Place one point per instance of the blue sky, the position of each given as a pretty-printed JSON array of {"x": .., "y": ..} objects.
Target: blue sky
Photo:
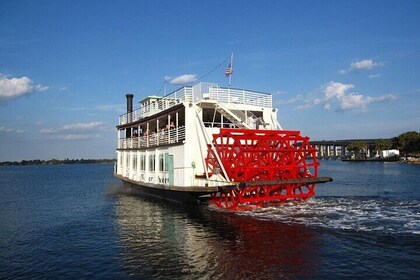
[{"x": 337, "y": 69}]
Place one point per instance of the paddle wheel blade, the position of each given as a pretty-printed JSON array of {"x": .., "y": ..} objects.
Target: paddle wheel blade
[{"x": 269, "y": 167}]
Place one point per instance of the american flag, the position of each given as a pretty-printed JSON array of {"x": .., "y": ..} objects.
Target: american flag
[{"x": 229, "y": 70}]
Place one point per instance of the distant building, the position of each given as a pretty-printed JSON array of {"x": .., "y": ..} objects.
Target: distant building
[{"x": 389, "y": 153}]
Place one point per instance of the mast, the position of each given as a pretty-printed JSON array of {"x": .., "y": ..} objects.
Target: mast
[{"x": 231, "y": 67}]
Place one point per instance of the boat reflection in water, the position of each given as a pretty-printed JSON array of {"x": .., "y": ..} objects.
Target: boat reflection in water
[{"x": 165, "y": 240}]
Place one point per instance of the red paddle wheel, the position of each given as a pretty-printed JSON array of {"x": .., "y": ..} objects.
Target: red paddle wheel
[{"x": 268, "y": 167}]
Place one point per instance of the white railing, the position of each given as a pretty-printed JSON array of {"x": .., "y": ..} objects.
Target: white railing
[
  {"x": 184, "y": 94},
  {"x": 240, "y": 96},
  {"x": 198, "y": 92},
  {"x": 164, "y": 137}
]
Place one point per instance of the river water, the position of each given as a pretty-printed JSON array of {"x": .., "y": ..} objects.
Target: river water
[{"x": 77, "y": 222}]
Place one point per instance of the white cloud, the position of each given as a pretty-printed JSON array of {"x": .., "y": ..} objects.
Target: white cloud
[
  {"x": 383, "y": 98},
  {"x": 340, "y": 97},
  {"x": 69, "y": 137},
  {"x": 361, "y": 65},
  {"x": 11, "y": 88},
  {"x": 183, "y": 79},
  {"x": 292, "y": 100},
  {"x": 48, "y": 130},
  {"x": 234, "y": 42},
  {"x": 327, "y": 106},
  {"x": 338, "y": 90},
  {"x": 8, "y": 130},
  {"x": 350, "y": 100},
  {"x": 309, "y": 103},
  {"x": 374, "y": 76},
  {"x": 119, "y": 108},
  {"x": 355, "y": 101},
  {"x": 5, "y": 129},
  {"x": 77, "y": 131},
  {"x": 83, "y": 126}
]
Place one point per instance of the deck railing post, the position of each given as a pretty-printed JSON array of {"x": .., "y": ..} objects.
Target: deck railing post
[{"x": 147, "y": 135}]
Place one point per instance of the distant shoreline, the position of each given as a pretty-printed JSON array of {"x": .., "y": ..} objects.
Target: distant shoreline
[
  {"x": 55, "y": 162},
  {"x": 407, "y": 159},
  {"x": 372, "y": 160}
]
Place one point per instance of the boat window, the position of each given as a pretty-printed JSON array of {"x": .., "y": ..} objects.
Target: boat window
[
  {"x": 211, "y": 118},
  {"x": 172, "y": 122},
  {"x": 152, "y": 161},
  {"x": 128, "y": 132},
  {"x": 181, "y": 117},
  {"x": 257, "y": 113},
  {"x": 135, "y": 132},
  {"x": 227, "y": 123},
  {"x": 142, "y": 162},
  {"x": 121, "y": 133},
  {"x": 161, "y": 162},
  {"x": 152, "y": 127},
  {"x": 134, "y": 162},
  {"x": 163, "y": 124}
]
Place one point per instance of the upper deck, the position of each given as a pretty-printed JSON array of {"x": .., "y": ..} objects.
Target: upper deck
[{"x": 196, "y": 93}]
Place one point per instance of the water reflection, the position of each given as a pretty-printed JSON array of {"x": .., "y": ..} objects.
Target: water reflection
[{"x": 164, "y": 240}]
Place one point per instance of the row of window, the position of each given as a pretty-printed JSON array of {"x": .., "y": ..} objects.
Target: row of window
[{"x": 134, "y": 160}]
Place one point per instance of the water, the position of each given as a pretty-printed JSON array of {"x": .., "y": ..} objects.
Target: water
[{"x": 76, "y": 222}]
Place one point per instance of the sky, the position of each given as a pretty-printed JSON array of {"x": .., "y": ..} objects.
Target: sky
[{"x": 336, "y": 69}]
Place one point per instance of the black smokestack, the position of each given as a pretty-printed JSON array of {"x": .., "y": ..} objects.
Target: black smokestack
[{"x": 129, "y": 102}]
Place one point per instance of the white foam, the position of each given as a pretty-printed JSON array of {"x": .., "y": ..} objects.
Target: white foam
[{"x": 359, "y": 214}]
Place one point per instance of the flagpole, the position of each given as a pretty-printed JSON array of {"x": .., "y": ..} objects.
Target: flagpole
[{"x": 231, "y": 66}]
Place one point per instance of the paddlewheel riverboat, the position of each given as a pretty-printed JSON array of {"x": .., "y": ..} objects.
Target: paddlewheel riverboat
[{"x": 206, "y": 142}]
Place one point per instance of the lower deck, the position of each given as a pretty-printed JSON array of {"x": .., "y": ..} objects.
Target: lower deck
[
  {"x": 188, "y": 194},
  {"x": 191, "y": 189}
]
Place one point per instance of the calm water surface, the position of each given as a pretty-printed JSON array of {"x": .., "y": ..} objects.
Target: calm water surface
[{"x": 77, "y": 222}]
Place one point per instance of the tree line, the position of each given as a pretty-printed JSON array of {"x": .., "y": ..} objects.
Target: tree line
[
  {"x": 56, "y": 161},
  {"x": 406, "y": 143}
]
